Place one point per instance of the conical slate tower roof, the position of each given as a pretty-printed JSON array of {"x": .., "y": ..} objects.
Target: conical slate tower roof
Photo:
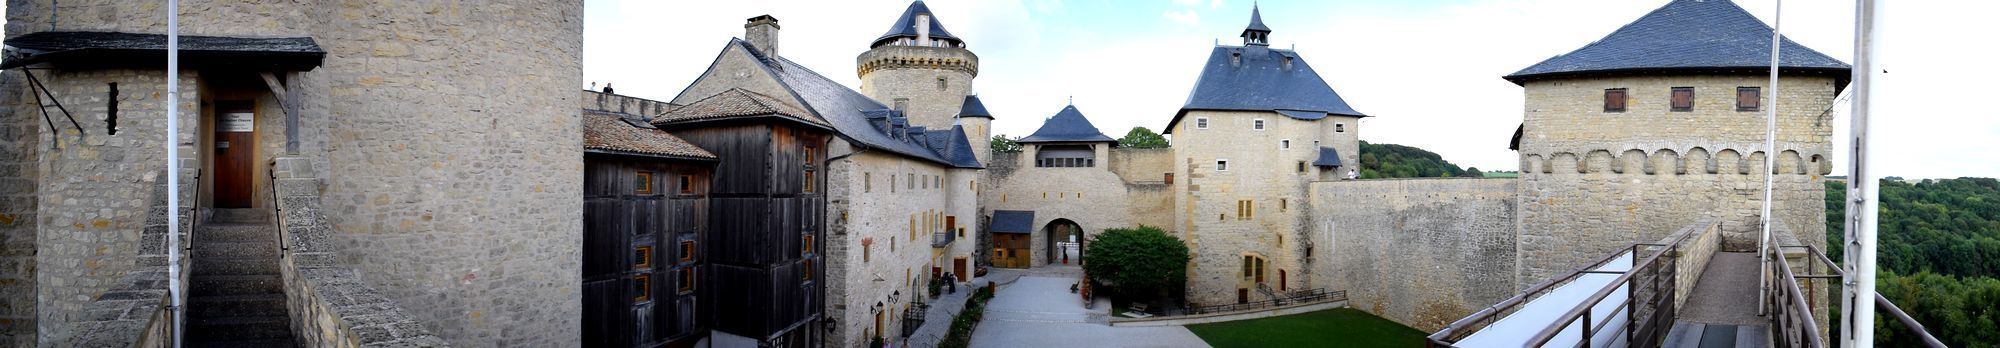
[
  {"x": 906, "y": 26},
  {"x": 973, "y": 108},
  {"x": 1256, "y": 21},
  {"x": 1687, "y": 36},
  {"x": 1067, "y": 125}
]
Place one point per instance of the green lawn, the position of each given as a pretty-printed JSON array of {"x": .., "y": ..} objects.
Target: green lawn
[{"x": 1343, "y": 327}]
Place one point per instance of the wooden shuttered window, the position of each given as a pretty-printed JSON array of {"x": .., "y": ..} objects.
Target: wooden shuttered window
[
  {"x": 1614, "y": 100},
  {"x": 1683, "y": 99},
  {"x": 1748, "y": 98}
]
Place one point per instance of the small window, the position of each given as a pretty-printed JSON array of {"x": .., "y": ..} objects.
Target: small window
[
  {"x": 687, "y": 184},
  {"x": 687, "y": 251},
  {"x": 1748, "y": 98},
  {"x": 642, "y": 287},
  {"x": 809, "y": 181},
  {"x": 1683, "y": 99},
  {"x": 865, "y": 248},
  {"x": 1614, "y": 100},
  {"x": 806, "y": 245},
  {"x": 910, "y": 181},
  {"x": 644, "y": 184},
  {"x": 642, "y": 257},
  {"x": 1340, "y": 128},
  {"x": 902, "y": 104},
  {"x": 1257, "y": 124},
  {"x": 867, "y": 182},
  {"x": 1168, "y": 179},
  {"x": 942, "y": 83},
  {"x": 1282, "y": 206},
  {"x": 687, "y": 280},
  {"x": 1302, "y": 166},
  {"x": 961, "y": 232},
  {"x": 1285, "y": 144},
  {"x": 1246, "y": 209},
  {"x": 1201, "y": 123},
  {"x": 806, "y": 273},
  {"x": 1222, "y": 165},
  {"x": 809, "y": 155}
]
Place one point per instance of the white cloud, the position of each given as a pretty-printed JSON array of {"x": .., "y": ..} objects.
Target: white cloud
[{"x": 1185, "y": 17}]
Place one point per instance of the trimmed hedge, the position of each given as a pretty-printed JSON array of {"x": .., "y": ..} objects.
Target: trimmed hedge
[{"x": 960, "y": 335}]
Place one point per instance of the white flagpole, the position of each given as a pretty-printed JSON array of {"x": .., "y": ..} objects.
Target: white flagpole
[
  {"x": 1770, "y": 158},
  {"x": 1857, "y": 307},
  {"x": 173, "y": 171}
]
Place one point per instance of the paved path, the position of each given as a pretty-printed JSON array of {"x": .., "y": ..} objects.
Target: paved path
[
  {"x": 1037, "y": 310},
  {"x": 1726, "y": 292}
]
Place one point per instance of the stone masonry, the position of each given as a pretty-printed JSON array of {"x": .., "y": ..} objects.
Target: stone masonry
[{"x": 1422, "y": 252}]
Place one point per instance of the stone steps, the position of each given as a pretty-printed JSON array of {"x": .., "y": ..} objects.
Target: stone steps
[{"x": 237, "y": 294}]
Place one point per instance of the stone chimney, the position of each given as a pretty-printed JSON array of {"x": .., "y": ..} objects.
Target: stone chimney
[
  {"x": 762, "y": 32},
  {"x": 923, "y": 24}
]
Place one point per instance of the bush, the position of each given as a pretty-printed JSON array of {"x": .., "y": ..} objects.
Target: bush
[
  {"x": 960, "y": 334},
  {"x": 1139, "y": 261}
]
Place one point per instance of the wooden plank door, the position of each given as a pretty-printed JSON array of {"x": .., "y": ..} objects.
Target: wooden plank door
[
  {"x": 235, "y": 153},
  {"x": 958, "y": 268}
]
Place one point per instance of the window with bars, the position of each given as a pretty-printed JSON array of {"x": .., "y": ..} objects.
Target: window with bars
[
  {"x": 1683, "y": 99},
  {"x": 1201, "y": 123}
]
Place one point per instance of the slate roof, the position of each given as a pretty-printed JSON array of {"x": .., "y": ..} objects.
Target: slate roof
[
  {"x": 609, "y": 132},
  {"x": 138, "y": 49},
  {"x": 906, "y": 26},
  {"x": 1328, "y": 157},
  {"x": 1254, "y": 78},
  {"x": 738, "y": 103},
  {"x": 857, "y": 118},
  {"x": 1067, "y": 125},
  {"x": 1686, "y": 35},
  {"x": 1256, "y": 21},
  {"x": 973, "y": 108},
  {"x": 1013, "y": 221}
]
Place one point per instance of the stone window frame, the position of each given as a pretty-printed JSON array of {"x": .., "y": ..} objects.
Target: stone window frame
[
  {"x": 1258, "y": 124},
  {"x": 1201, "y": 123},
  {"x": 1246, "y": 209},
  {"x": 1340, "y": 127},
  {"x": 1222, "y": 164},
  {"x": 1284, "y": 144},
  {"x": 867, "y": 182}
]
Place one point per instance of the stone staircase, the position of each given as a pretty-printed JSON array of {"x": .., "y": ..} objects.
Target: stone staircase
[{"x": 236, "y": 297}]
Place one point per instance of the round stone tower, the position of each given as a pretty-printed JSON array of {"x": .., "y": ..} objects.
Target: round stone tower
[{"x": 919, "y": 68}]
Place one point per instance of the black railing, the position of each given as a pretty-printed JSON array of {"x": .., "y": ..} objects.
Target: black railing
[
  {"x": 1651, "y": 283},
  {"x": 913, "y": 317},
  {"x": 1301, "y": 296},
  {"x": 278, "y": 214}
]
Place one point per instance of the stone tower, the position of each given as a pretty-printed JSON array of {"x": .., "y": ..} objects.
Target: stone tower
[
  {"x": 978, "y": 125},
  {"x": 919, "y": 68},
  {"x": 1650, "y": 128}
]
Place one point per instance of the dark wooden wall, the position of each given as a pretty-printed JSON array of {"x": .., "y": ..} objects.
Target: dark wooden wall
[
  {"x": 618, "y": 220},
  {"x": 761, "y": 212}
]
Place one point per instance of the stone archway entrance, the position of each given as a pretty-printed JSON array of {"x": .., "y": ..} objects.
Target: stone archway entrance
[{"x": 1063, "y": 240}]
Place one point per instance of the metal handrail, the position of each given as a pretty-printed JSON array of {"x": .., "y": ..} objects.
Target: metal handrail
[
  {"x": 278, "y": 213},
  {"x": 1583, "y": 310},
  {"x": 1907, "y": 321},
  {"x": 1465, "y": 326},
  {"x": 1792, "y": 320}
]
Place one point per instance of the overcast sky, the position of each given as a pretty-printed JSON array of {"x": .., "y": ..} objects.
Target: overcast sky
[{"x": 1429, "y": 70}]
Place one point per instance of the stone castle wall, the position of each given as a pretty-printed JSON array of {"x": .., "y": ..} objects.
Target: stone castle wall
[
  {"x": 934, "y": 79},
  {"x": 1422, "y": 252},
  {"x": 1264, "y": 169},
  {"x": 893, "y": 205},
  {"x": 462, "y": 205},
  {"x": 1095, "y": 198},
  {"x": 20, "y": 152},
  {"x": 1594, "y": 180}
]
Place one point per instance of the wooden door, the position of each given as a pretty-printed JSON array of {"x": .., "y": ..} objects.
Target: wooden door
[
  {"x": 878, "y": 324},
  {"x": 958, "y": 268},
  {"x": 235, "y": 153},
  {"x": 1281, "y": 280},
  {"x": 1242, "y": 295}
]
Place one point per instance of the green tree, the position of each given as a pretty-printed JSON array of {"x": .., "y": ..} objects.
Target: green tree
[
  {"x": 1141, "y": 260},
  {"x": 1142, "y": 138},
  {"x": 1003, "y": 144},
  {"x": 1939, "y": 253},
  {"x": 1398, "y": 161}
]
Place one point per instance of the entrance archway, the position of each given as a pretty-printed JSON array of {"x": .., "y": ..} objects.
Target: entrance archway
[{"x": 1063, "y": 241}]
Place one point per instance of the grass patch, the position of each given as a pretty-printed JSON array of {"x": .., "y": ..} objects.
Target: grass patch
[{"x": 1350, "y": 327}]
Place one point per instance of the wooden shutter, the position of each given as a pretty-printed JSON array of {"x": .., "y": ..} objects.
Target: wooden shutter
[
  {"x": 1614, "y": 100},
  {"x": 1747, "y": 98},
  {"x": 1683, "y": 99}
]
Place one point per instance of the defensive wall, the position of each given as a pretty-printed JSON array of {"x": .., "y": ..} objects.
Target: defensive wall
[
  {"x": 1127, "y": 190},
  {"x": 1422, "y": 252}
]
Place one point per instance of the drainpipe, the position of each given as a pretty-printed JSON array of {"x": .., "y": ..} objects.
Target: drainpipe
[{"x": 174, "y": 307}]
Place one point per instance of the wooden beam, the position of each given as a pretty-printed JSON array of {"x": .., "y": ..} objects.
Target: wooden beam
[{"x": 289, "y": 101}]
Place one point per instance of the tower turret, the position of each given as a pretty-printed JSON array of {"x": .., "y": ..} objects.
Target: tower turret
[
  {"x": 1256, "y": 34},
  {"x": 920, "y": 68}
]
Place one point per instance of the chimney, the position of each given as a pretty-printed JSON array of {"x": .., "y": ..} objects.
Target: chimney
[
  {"x": 762, "y": 31},
  {"x": 923, "y": 24}
]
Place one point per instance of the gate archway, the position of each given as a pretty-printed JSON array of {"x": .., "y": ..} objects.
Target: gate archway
[{"x": 1063, "y": 241}]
